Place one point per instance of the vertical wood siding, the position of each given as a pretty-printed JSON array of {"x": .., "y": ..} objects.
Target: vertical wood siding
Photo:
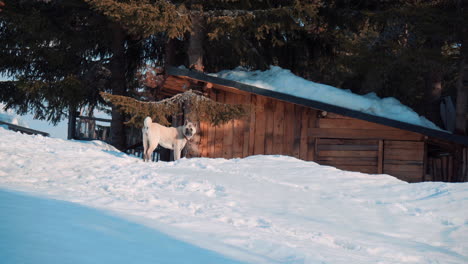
[{"x": 277, "y": 127}]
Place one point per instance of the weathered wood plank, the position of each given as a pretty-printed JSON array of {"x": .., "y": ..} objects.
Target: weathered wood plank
[
  {"x": 403, "y": 162},
  {"x": 312, "y": 120},
  {"x": 211, "y": 133},
  {"x": 364, "y": 134},
  {"x": 351, "y": 123},
  {"x": 229, "y": 89},
  {"x": 204, "y": 128},
  {"x": 288, "y": 129},
  {"x": 341, "y": 153},
  {"x": 278, "y": 130},
  {"x": 219, "y": 131},
  {"x": 333, "y": 115},
  {"x": 238, "y": 136},
  {"x": 404, "y": 144},
  {"x": 380, "y": 157},
  {"x": 407, "y": 154},
  {"x": 297, "y": 130},
  {"x": 347, "y": 161},
  {"x": 327, "y": 141},
  {"x": 269, "y": 125},
  {"x": 253, "y": 105},
  {"x": 347, "y": 147},
  {"x": 303, "y": 148},
  {"x": 408, "y": 168},
  {"x": 246, "y": 121},
  {"x": 228, "y": 130},
  {"x": 259, "y": 145}
]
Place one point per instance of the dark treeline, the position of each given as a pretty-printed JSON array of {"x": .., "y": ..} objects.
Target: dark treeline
[{"x": 61, "y": 54}]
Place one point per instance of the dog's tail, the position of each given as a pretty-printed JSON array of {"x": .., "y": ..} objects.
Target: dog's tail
[{"x": 147, "y": 123}]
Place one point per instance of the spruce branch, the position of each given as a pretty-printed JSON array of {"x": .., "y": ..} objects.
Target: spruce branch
[{"x": 201, "y": 108}]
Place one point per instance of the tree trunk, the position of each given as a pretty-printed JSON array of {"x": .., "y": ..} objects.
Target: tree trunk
[
  {"x": 432, "y": 94},
  {"x": 462, "y": 98},
  {"x": 197, "y": 36},
  {"x": 462, "y": 83},
  {"x": 169, "y": 53},
  {"x": 71, "y": 122},
  {"x": 195, "y": 55},
  {"x": 118, "y": 84}
]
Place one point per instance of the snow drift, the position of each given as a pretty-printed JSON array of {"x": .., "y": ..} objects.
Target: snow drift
[{"x": 261, "y": 209}]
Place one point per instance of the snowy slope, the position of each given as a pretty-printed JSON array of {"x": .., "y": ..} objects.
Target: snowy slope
[
  {"x": 261, "y": 209},
  {"x": 284, "y": 81},
  {"x": 36, "y": 230}
]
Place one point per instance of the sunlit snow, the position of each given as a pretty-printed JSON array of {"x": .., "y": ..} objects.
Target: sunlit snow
[
  {"x": 260, "y": 209},
  {"x": 284, "y": 81}
]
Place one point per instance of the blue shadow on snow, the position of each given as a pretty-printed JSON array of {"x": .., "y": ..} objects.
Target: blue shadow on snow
[{"x": 38, "y": 230}]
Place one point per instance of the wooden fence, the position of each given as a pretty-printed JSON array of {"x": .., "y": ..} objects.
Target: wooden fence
[
  {"x": 449, "y": 164},
  {"x": 85, "y": 128},
  {"x": 137, "y": 150}
]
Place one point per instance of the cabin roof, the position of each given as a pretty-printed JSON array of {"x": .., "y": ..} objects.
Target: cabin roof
[
  {"x": 317, "y": 105},
  {"x": 23, "y": 129}
]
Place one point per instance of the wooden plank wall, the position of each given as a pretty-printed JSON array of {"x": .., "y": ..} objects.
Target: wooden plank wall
[
  {"x": 277, "y": 127},
  {"x": 349, "y": 154},
  {"x": 446, "y": 161},
  {"x": 404, "y": 160},
  {"x": 271, "y": 127},
  {"x": 441, "y": 169}
]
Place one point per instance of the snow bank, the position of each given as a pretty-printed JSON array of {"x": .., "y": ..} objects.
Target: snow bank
[
  {"x": 284, "y": 81},
  {"x": 261, "y": 209},
  {"x": 37, "y": 230},
  {"x": 9, "y": 116}
]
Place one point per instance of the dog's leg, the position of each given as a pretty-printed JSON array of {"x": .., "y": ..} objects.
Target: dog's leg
[
  {"x": 146, "y": 138},
  {"x": 177, "y": 151},
  {"x": 145, "y": 143},
  {"x": 152, "y": 145},
  {"x": 178, "y": 147}
]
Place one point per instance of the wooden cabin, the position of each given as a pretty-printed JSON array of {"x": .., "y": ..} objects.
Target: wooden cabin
[{"x": 314, "y": 131}]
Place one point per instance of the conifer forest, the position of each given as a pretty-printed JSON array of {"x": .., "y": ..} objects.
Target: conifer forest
[{"x": 57, "y": 56}]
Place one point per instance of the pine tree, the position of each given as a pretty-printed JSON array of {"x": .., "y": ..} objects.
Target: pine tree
[
  {"x": 59, "y": 50},
  {"x": 201, "y": 109},
  {"x": 55, "y": 58},
  {"x": 404, "y": 49}
]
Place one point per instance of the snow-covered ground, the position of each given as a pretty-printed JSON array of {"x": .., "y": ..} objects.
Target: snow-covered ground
[
  {"x": 284, "y": 81},
  {"x": 261, "y": 209},
  {"x": 37, "y": 230}
]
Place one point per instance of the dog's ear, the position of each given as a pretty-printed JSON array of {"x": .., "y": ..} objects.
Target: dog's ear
[{"x": 186, "y": 122}]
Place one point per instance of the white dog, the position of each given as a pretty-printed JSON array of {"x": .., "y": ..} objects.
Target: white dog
[{"x": 173, "y": 138}]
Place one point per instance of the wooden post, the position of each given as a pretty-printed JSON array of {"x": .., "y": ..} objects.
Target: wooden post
[
  {"x": 71, "y": 123},
  {"x": 380, "y": 162},
  {"x": 253, "y": 104},
  {"x": 425, "y": 161}
]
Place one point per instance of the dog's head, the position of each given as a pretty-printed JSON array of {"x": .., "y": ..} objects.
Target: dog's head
[{"x": 189, "y": 129}]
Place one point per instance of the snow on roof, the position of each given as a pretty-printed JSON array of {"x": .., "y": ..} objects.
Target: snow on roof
[{"x": 284, "y": 81}]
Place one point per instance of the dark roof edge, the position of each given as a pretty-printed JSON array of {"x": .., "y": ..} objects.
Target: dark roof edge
[
  {"x": 24, "y": 129},
  {"x": 319, "y": 105}
]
